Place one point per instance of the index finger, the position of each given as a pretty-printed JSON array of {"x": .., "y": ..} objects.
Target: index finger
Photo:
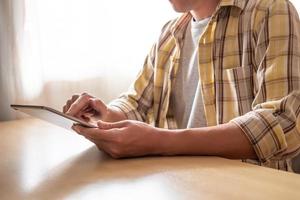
[{"x": 81, "y": 103}]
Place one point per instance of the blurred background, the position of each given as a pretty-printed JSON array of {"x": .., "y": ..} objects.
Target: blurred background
[{"x": 50, "y": 50}]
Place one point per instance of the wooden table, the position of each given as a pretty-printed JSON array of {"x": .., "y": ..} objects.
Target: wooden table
[{"x": 42, "y": 161}]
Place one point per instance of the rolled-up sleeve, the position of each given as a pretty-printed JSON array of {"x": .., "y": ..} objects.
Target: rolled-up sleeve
[{"x": 273, "y": 125}]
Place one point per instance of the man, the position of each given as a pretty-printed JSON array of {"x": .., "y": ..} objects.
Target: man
[{"x": 222, "y": 80}]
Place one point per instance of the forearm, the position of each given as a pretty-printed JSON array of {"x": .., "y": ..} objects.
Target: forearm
[{"x": 226, "y": 140}]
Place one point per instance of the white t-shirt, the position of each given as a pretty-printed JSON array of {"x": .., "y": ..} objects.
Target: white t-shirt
[{"x": 187, "y": 97}]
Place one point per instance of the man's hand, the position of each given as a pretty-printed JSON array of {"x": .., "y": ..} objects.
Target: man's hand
[
  {"x": 124, "y": 139},
  {"x": 91, "y": 109},
  {"x": 133, "y": 138}
]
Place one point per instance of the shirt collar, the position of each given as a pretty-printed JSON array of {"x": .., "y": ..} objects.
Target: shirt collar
[{"x": 179, "y": 27}]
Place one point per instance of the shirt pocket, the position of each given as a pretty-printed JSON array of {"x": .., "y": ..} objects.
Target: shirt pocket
[{"x": 237, "y": 90}]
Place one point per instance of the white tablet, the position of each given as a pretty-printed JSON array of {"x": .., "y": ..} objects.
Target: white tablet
[{"x": 51, "y": 115}]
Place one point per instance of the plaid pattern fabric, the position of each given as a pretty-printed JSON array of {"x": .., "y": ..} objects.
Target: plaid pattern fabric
[{"x": 249, "y": 68}]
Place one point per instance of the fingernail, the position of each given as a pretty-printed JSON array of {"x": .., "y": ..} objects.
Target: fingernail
[{"x": 99, "y": 123}]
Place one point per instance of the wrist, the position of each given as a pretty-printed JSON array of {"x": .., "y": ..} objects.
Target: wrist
[
  {"x": 114, "y": 114},
  {"x": 169, "y": 142}
]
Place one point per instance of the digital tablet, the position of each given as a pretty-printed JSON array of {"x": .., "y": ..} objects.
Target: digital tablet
[{"x": 51, "y": 115}]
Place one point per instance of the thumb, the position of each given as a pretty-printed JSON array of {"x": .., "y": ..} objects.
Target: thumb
[
  {"x": 110, "y": 125},
  {"x": 98, "y": 105}
]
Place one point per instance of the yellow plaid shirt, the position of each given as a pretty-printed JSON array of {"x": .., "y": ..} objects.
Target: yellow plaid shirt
[{"x": 249, "y": 69}]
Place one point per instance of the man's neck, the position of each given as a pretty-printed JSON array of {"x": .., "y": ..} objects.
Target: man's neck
[{"x": 205, "y": 9}]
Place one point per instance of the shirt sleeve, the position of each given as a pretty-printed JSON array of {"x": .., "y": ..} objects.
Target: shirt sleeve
[{"x": 273, "y": 125}]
